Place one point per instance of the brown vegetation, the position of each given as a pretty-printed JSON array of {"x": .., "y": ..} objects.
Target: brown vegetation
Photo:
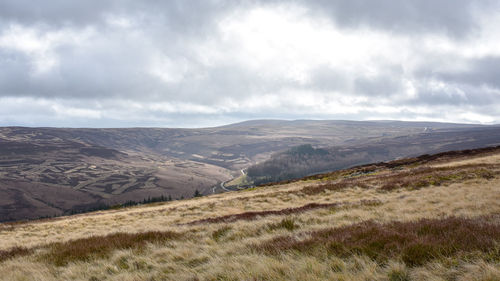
[
  {"x": 415, "y": 242},
  {"x": 423, "y": 177},
  {"x": 288, "y": 211},
  {"x": 96, "y": 247},
  {"x": 413, "y": 178},
  {"x": 14, "y": 252}
]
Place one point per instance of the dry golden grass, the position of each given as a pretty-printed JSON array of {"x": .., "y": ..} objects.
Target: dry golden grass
[
  {"x": 489, "y": 159},
  {"x": 217, "y": 237}
]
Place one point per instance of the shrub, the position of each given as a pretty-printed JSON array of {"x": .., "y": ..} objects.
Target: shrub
[
  {"x": 419, "y": 253},
  {"x": 85, "y": 249},
  {"x": 415, "y": 243}
]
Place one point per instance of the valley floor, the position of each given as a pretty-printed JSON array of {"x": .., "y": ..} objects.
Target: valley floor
[{"x": 420, "y": 219}]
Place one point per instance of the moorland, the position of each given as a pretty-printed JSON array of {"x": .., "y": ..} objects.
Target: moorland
[
  {"x": 46, "y": 172},
  {"x": 431, "y": 217}
]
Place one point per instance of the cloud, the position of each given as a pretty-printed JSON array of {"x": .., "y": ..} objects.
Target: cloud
[
  {"x": 188, "y": 63},
  {"x": 450, "y": 17},
  {"x": 483, "y": 71}
]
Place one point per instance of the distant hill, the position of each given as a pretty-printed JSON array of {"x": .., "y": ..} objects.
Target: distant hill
[
  {"x": 56, "y": 171},
  {"x": 305, "y": 160}
]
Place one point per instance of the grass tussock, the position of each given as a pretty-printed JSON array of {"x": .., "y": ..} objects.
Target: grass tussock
[
  {"x": 286, "y": 223},
  {"x": 87, "y": 249},
  {"x": 415, "y": 243},
  {"x": 14, "y": 252},
  {"x": 220, "y": 233}
]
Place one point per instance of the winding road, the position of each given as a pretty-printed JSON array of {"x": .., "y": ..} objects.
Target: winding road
[{"x": 222, "y": 184}]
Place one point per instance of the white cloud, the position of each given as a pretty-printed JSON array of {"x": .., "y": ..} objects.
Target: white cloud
[
  {"x": 70, "y": 112},
  {"x": 40, "y": 46},
  {"x": 283, "y": 41},
  {"x": 163, "y": 64}
]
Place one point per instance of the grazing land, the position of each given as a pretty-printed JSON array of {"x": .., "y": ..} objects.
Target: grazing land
[{"x": 432, "y": 217}]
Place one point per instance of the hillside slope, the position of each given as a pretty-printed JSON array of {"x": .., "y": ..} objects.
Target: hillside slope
[
  {"x": 425, "y": 218},
  {"x": 56, "y": 171},
  {"x": 293, "y": 164}
]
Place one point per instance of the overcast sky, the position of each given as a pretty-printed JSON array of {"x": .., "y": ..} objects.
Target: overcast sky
[{"x": 185, "y": 63}]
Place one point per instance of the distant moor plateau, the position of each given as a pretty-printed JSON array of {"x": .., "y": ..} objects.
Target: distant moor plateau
[{"x": 48, "y": 172}]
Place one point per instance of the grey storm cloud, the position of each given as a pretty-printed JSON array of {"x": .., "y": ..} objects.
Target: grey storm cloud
[
  {"x": 474, "y": 83},
  {"x": 163, "y": 62},
  {"x": 483, "y": 71},
  {"x": 453, "y": 17},
  {"x": 175, "y": 13}
]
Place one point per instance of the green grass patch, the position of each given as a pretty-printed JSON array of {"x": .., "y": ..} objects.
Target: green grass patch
[{"x": 240, "y": 182}]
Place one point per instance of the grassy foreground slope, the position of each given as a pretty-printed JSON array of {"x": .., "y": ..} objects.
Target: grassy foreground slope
[{"x": 426, "y": 218}]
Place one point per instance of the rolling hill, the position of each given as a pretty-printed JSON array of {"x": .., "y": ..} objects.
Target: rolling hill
[
  {"x": 48, "y": 172},
  {"x": 305, "y": 160},
  {"x": 432, "y": 217}
]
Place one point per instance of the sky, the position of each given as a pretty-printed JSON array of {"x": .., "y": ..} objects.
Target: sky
[{"x": 187, "y": 63}]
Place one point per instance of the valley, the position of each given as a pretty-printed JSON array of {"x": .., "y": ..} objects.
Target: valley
[{"x": 47, "y": 172}]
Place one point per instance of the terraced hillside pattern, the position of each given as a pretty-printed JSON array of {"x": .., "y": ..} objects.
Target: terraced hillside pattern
[
  {"x": 47, "y": 172},
  {"x": 433, "y": 217}
]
